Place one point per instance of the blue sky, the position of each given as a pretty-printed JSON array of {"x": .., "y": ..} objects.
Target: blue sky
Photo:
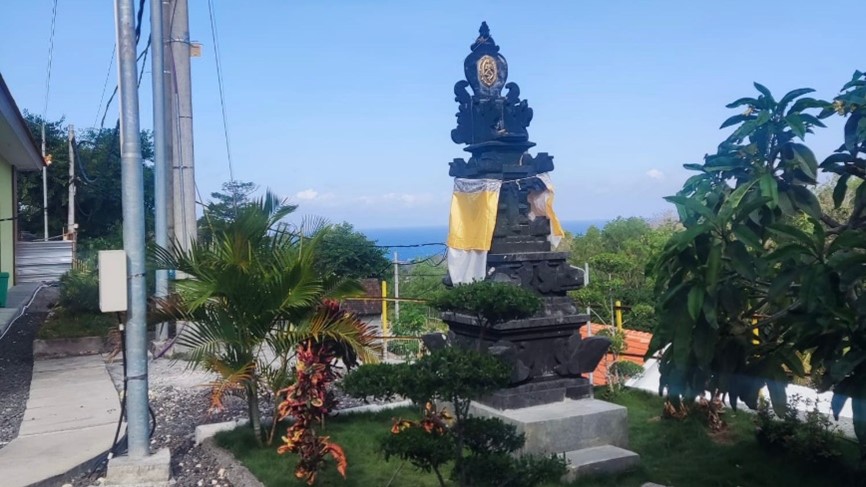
[{"x": 347, "y": 107}]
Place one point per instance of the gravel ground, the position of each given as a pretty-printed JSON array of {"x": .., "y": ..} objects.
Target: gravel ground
[
  {"x": 180, "y": 399},
  {"x": 16, "y": 364}
]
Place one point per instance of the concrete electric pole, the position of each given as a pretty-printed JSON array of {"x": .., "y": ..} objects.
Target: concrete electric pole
[
  {"x": 183, "y": 162},
  {"x": 70, "y": 215}
]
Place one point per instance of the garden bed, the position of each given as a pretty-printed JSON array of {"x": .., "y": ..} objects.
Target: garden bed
[{"x": 680, "y": 453}]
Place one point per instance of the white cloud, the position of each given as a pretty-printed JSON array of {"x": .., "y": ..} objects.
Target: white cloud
[
  {"x": 407, "y": 199},
  {"x": 655, "y": 174},
  {"x": 307, "y": 194}
]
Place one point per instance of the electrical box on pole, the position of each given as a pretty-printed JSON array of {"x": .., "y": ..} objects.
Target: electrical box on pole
[{"x": 112, "y": 281}]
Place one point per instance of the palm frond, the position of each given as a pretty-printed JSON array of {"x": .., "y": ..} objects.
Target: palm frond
[{"x": 231, "y": 380}]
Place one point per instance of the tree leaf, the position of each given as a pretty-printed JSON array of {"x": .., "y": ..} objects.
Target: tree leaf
[
  {"x": 735, "y": 120},
  {"x": 764, "y": 91},
  {"x": 845, "y": 365},
  {"x": 805, "y": 159},
  {"x": 804, "y": 103},
  {"x": 694, "y": 167},
  {"x": 769, "y": 188},
  {"x": 840, "y": 190},
  {"x": 704, "y": 343},
  {"x": 851, "y": 132},
  {"x": 741, "y": 102},
  {"x": 682, "y": 343},
  {"x": 747, "y": 236},
  {"x": 741, "y": 261},
  {"x": 690, "y": 203},
  {"x": 777, "y": 396},
  {"x": 696, "y": 301},
  {"x": 791, "y": 95},
  {"x": 782, "y": 283},
  {"x": 795, "y": 122},
  {"x": 714, "y": 263},
  {"x": 806, "y": 201},
  {"x": 790, "y": 231}
]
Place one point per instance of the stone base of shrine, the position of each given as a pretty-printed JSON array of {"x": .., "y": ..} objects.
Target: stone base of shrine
[
  {"x": 538, "y": 393},
  {"x": 564, "y": 426}
]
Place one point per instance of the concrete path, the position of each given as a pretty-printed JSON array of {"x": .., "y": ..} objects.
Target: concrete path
[
  {"x": 16, "y": 298},
  {"x": 70, "y": 419}
]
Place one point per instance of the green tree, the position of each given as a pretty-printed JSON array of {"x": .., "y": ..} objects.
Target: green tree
[
  {"x": 719, "y": 279},
  {"x": 99, "y": 211},
  {"x": 618, "y": 256},
  {"x": 347, "y": 253},
  {"x": 250, "y": 287},
  {"x": 223, "y": 206}
]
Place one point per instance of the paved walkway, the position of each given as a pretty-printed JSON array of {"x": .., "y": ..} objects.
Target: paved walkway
[
  {"x": 70, "y": 419},
  {"x": 16, "y": 298}
]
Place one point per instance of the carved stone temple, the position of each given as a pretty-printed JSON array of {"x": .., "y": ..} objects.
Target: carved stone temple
[
  {"x": 548, "y": 397},
  {"x": 547, "y": 354}
]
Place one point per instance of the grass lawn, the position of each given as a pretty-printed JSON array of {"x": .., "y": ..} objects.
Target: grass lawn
[
  {"x": 64, "y": 324},
  {"x": 677, "y": 453}
]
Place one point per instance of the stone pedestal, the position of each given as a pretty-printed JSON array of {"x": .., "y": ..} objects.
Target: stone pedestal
[
  {"x": 564, "y": 426},
  {"x": 151, "y": 471}
]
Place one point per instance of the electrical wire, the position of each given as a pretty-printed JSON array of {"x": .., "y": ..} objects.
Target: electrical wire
[
  {"x": 23, "y": 310},
  {"x": 217, "y": 59},
  {"x": 50, "y": 60},
  {"x": 105, "y": 85},
  {"x": 410, "y": 246}
]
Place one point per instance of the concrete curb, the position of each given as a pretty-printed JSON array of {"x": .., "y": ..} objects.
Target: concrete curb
[
  {"x": 235, "y": 471},
  {"x": 374, "y": 408},
  {"x": 69, "y": 347}
]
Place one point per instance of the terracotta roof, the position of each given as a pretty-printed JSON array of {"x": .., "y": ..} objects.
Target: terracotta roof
[
  {"x": 637, "y": 344},
  {"x": 372, "y": 289}
]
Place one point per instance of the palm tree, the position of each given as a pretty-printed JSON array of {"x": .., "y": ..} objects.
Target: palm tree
[{"x": 249, "y": 289}]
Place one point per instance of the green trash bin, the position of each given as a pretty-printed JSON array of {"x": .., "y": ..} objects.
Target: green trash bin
[{"x": 4, "y": 286}]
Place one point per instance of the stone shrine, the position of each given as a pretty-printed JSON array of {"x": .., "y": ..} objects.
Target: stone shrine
[
  {"x": 546, "y": 351},
  {"x": 548, "y": 397}
]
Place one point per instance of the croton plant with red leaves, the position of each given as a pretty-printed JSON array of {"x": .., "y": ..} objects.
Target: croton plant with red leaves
[{"x": 339, "y": 336}]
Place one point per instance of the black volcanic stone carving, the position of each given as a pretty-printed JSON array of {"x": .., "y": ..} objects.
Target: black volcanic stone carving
[{"x": 546, "y": 353}]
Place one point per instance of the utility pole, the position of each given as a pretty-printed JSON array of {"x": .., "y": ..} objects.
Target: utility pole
[
  {"x": 70, "y": 216},
  {"x": 168, "y": 114},
  {"x": 132, "y": 182},
  {"x": 44, "y": 187},
  {"x": 157, "y": 44},
  {"x": 184, "y": 165},
  {"x": 396, "y": 290}
]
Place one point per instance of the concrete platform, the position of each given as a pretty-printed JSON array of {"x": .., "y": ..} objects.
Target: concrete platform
[
  {"x": 599, "y": 460},
  {"x": 564, "y": 426},
  {"x": 70, "y": 419}
]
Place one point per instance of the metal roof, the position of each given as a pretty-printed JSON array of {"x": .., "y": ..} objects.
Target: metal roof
[{"x": 17, "y": 146}]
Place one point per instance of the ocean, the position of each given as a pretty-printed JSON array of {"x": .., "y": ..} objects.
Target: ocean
[{"x": 398, "y": 239}]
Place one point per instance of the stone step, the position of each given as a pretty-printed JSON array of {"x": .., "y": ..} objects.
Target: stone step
[
  {"x": 564, "y": 426},
  {"x": 599, "y": 460}
]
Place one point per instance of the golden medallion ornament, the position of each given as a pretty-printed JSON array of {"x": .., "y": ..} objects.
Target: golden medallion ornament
[{"x": 487, "y": 71}]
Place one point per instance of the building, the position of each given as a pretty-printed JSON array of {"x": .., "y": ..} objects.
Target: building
[
  {"x": 18, "y": 152},
  {"x": 369, "y": 310}
]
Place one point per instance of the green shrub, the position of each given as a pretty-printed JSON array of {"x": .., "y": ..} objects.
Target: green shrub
[
  {"x": 489, "y": 302},
  {"x": 79, "y": 290},
  {"x": 811, "y": 438},
  {"x": 480, "y": 449}
]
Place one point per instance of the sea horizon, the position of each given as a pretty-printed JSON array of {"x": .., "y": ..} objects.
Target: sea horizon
[{"x": 430, "y": 240}]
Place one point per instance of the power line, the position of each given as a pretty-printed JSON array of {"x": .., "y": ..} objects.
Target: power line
[
  {"x": 50, "y": 59},
  {"x": 105, "y": 85},
  {"x": 216, "y": 47},
  {"x": 410, "y": 246}
]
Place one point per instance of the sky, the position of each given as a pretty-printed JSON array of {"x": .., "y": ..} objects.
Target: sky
[{"x": 346, "y": 107}]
